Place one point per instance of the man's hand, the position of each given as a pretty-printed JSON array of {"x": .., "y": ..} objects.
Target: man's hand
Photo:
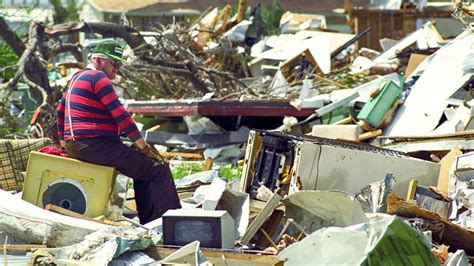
[
  {"x": 140, "y": 144},
  {"x": 150, "y": 151}
]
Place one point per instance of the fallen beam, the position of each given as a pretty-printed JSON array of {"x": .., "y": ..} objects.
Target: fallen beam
[
  {"x": 453, "y": 235},
  {"x": 218, "y": 256}
]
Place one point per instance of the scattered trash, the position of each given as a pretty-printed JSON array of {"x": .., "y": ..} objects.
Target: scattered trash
[{"x": 305, "y": 137}]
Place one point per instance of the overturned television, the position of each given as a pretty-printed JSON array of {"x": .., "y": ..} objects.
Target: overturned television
[{"x": 300, "y": 162}]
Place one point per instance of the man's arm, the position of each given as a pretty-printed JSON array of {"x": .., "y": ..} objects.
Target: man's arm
[{"x": 106, "y": 95}]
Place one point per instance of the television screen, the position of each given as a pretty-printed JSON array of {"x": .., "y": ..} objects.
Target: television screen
[{"x": 187, "y": 231}]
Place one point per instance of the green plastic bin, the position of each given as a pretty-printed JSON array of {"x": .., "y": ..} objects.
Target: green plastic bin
[{"x": 374, "y": 110}]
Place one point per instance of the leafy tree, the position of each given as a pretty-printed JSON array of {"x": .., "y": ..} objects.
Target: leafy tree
[
  {"x": 7, "y": 58},
  {"x": 271, "y": 15},
  {"x": 65, "y": 12}
]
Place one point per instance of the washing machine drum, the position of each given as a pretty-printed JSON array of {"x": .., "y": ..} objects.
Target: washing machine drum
[{"x": 66, "y": 193}]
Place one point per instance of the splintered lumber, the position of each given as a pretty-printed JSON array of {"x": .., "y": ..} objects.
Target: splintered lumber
[
  {"x": 452, "y": 235},
  {"x": 208, "y": 164},
  {"x": 412, "y": 189},
  {"x": 22, "y": 247},
  {"x": 261, "y": 218},
  {"x": 344, "y": 121},
  {"x": 181, "y": 154},
  {"x": 269, "y": 228},
  {"x": 370, "y": 134},
  {"x": 218, "y": 256},
  {"x": 57, "y": 209},
  {"x": 241, "y": 10}
]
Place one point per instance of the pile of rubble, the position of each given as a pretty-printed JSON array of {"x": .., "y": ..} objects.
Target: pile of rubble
[{"x": 372, "y": 155}]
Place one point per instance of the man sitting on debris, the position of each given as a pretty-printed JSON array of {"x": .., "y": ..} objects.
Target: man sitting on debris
[{"x": 89, "y": 119}]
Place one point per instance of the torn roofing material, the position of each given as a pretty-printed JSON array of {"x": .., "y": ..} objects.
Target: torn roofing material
[{"x": 443, "y": 76}]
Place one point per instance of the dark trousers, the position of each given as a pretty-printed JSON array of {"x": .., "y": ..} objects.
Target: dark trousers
[{"x": 155, "y": 191}]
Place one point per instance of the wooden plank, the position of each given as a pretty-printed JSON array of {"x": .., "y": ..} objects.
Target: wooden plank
[
  {"x": 187, "y": 155},
  {"x": 183, "y": 195},
  {"x": 22, "y": 247},
  {"x": 344, "y": 121},
  {"x": 412, "y": 189},
  {"x": 370, "y": 134},
  {"x": 451, "y": 234},
  {"x": 57, "y": 209},
  {"x": 241, "y": 10},
  {"x": 254, "y": 145},
  {"x": 261, "y": 218},
  {"x": 225, "y": 19},
  {"x": 218, "y": 256},
  {"x": 269, "y": 229},
  {"x": 413, "y": 62},
  {"x": 208, "y": 164},
  {"x": 446, "y": 163}
]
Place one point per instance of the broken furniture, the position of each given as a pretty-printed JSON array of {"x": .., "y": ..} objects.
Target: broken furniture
[
  {"x": 14, "y": 158},
  {"x": 71, "y": 184}
]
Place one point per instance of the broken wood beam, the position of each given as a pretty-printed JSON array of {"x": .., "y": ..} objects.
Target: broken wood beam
[
  {"x": 344, "y": 121},
  {"x": 208, "y": 164},
  {"x": 241, "y": 10},
  {"x": 370, "y": 134},
  {"x": 186, "y": 155},
  {"x": 269, "y": 228},
  {"x": 219, "y": 256},
  {"x": 19, "y": 247},
  {"x": 57, "y": 209},
  {"x": 261, "y": 218},
  {"x": 452, "y": 234},
  {"x": 412, "y": 189}
]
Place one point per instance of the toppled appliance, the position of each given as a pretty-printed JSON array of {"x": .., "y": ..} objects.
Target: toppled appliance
[{"x": 299, "y": 162}]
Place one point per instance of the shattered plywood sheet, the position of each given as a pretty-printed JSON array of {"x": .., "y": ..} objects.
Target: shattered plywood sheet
[{"x": 451, "y": 234}]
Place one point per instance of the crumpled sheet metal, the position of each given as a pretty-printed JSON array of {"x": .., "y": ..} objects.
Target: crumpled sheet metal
[{"x": 317, "y": 209}]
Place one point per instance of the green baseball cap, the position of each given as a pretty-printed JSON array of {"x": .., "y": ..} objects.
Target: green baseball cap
[{"x": 110, "y": 48}]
